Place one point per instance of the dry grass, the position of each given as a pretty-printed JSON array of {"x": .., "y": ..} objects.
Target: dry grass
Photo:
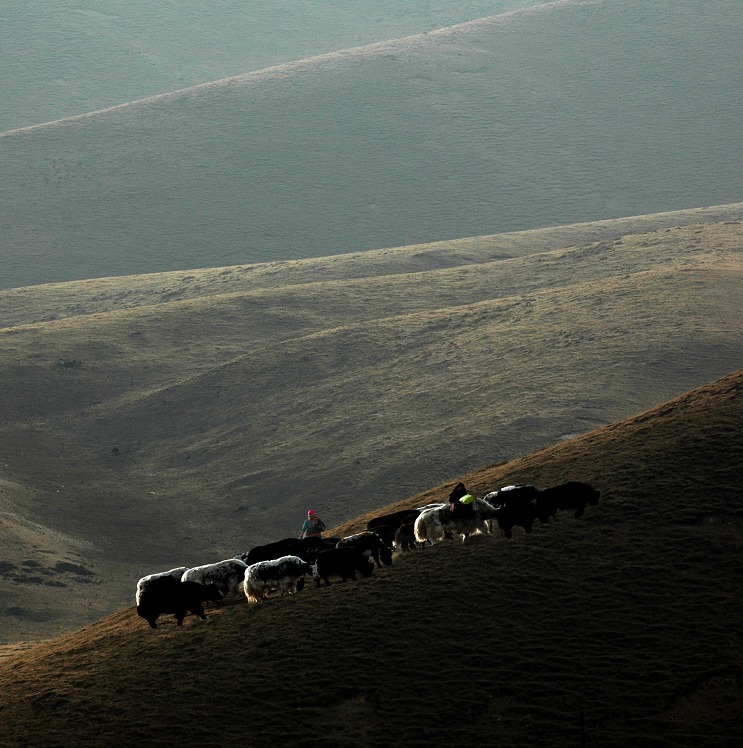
[
  {"x": 201, "y": 423},
  {"x": 630, "y": 615}
]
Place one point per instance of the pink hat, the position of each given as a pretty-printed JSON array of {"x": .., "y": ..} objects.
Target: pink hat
[{"x": 312, "y": 513}]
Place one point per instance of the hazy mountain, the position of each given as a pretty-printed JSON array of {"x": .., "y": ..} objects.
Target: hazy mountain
[
  {"x": 64, "y": 58},
  {"x": 572, "y": 111},
  {"x": 617, "y": 628},
  {"x": 161, "y": 420}
]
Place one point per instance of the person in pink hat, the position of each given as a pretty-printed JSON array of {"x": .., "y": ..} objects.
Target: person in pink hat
[{"x": 313, "y": 526}]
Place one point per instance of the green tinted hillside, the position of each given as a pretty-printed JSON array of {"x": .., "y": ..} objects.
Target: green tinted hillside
[{"x": 575, "y": 111}]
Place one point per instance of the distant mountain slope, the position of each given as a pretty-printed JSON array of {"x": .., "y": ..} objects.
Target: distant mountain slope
[
  {"x": 622, "y": 624},
  {"x": 573, "y": 111},
  {"x": 32, "y": 304},
  {"x": 63, "y": 59},
  {"x": 196, "y": 423}
]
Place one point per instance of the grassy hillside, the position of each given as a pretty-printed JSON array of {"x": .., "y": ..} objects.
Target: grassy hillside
[
  {"x": 573, "y": 111},
  {"x": 629, "y": 615},
  {"x": 157, "y": 421}
]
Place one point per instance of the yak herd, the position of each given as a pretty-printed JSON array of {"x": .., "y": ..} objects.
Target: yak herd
[{"x": 283, "y": 566}]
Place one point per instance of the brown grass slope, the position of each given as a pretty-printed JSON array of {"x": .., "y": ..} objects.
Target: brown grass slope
[
  {"x": 630, "y": 614},
  {"x": 194, "y": 429}
]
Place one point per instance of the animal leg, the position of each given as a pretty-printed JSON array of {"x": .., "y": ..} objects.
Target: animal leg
[{"x": 198, "y": 610}]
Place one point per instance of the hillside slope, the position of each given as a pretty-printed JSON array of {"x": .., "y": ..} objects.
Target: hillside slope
[
  {"x": 129, "y": 49},
  {"x": 154, "y": 435},
  {"x": 532, "y": 119},
  {"x": 54, "y": 301},
  {"x": 629, "y": 615}
]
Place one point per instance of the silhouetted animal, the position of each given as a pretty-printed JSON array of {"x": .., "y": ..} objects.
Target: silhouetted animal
[
  {"x": 308, "y": 548},
  {"x": 268, "y": 552},
  {"x": 405, "y": 537},
  {"x": 176, "y": 574},
  {"x": 393, "y": 520},
  {"x": 522, "y": 515},
  {"x": 521, "y": 504},
  {"x": 342, "y": 562},
  {"x": 514, "y": 506},
  {"x": 169, "y": 595},
  {"x": 512, "y": 495},
  {"x": 570, "y": 496},
  {"x": 386, "y": 533},
  {"x": 370, "y": 544}
]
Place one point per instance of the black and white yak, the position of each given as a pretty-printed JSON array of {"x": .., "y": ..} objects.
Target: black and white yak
[{"x": 285, "y": 574}]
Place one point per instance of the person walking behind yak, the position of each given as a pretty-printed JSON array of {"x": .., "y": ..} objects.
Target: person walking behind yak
[{"x": 313, "y": 526}]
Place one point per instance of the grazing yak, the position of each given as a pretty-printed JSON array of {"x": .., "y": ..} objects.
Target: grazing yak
[
  {"x": 305, "y": 548},
  {"x": 308, "y": 548},
  {"x": 509, "y": 516},
  {"x": 285, "y": 574},
  {"x": 522, "y": 505},
  {"x": 571, "y": 496},
  {"x": 393, "y": 520},
  {"x": 437, "y": 523},
  {"x": 514, "y": 506},
  {"x": 513, "y": 495},
  {"x": 166, "y": 594},
  {"x": 370, "y": 544},
  {"x": 386, "y": 533},
  {"x": 342, "y": 562},
  {"x": 176, "y": 574},
  {"x": 227, "y": 576},
  {"x": 405, "y": 537},
  {"x": 267, "y": 552}
]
